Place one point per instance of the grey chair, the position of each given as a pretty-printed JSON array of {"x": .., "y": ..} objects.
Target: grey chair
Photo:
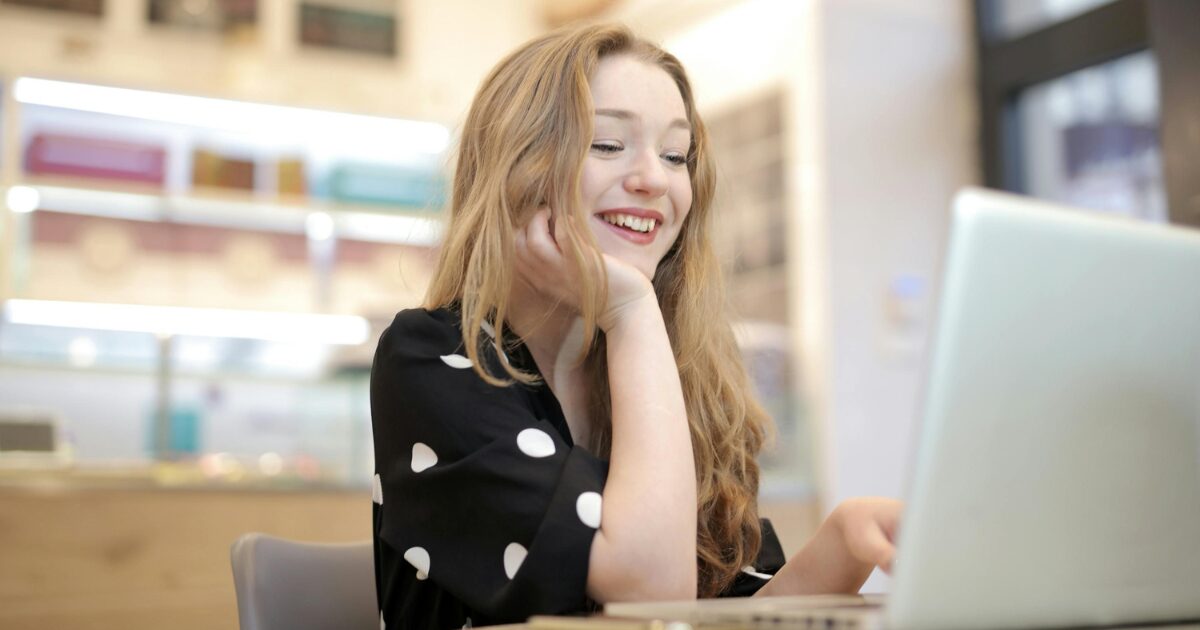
[{"x": 288, "y": 585}]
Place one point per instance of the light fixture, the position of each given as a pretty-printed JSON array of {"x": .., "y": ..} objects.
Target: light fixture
[
  {"x": 319, "y": 226},
  {"x": 23, "y": 199},
  {"x": 395, "y": 134},
  {"x": 82, "y": 352},
  {"x": 305, "y": 328}
]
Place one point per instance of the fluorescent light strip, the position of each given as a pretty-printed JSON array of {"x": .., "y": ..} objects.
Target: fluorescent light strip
[
  {"x": 238, "y": 116},
  {"x": 408, "y": 230},
  {"x": 363, "y": 226},
  {"x": 347, "y": 330}
]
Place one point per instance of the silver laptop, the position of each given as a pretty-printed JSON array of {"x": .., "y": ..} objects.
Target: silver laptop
[{"x": 1057, "y": 477}]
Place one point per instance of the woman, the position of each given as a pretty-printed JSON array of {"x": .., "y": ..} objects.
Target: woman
[{"x": 567, "y": 421}]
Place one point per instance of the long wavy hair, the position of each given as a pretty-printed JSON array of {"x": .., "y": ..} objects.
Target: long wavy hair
[{"x": 523, "y": 146}]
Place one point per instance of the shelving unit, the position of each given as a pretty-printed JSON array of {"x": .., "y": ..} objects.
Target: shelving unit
[
  {"x": 244, "y": 265},
  {"x": 348, "y": 162}
]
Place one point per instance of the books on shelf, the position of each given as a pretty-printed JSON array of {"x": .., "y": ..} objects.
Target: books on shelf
[
  {"x": 221, "y": 171},
  {"x": 96, "y": 158}
]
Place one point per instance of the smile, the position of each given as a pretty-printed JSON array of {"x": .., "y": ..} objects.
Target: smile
[
  {"x": 633, "y": 224},
  {"x": 637, "y": 224}
]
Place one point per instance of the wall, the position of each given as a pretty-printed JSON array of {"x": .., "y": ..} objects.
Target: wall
[{"x": 899, "y": 138}]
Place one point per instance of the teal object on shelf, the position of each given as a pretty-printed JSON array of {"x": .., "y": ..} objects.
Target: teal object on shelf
[
  {"x": 183, "y": 437},
  {"x": 386, "y": 185}
]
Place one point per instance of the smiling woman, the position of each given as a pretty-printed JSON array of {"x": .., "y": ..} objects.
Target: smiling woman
[{"x": 567, "y": 421}]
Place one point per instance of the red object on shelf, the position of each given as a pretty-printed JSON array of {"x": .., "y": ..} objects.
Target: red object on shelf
[{"x": 79, "y": 156}]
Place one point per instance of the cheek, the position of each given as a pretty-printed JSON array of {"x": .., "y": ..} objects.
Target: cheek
[
  {"x": 591, "y": 180},
  {"x": 681, "y": 198}
]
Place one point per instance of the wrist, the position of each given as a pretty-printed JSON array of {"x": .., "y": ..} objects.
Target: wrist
[{"x": 629, "y": 312}]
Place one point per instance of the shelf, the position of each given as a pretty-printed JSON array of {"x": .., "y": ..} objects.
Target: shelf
[{"x": 230, "y": 209}]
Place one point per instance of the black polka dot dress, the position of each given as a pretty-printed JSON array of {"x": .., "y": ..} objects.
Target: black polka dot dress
[{"x": 484, "y": 510}]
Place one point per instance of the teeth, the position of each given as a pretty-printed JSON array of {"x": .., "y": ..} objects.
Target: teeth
[{"x": 636, "y": 224}]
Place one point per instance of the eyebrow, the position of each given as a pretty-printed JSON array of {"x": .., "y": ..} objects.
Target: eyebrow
[{"x": 624, "y": 114}]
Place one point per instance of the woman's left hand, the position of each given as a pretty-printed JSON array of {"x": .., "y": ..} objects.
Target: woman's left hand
[
  {"x": 868, "y": 526},
  {"x": 858, "y": 536}
]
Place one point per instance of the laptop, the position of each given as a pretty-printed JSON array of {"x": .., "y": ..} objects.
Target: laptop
[{"x": 1057, "y": 475}]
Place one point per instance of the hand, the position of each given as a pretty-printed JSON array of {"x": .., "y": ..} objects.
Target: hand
[
  {"x": 868, "y": 527},
  {"x": 542, "y": 265}
]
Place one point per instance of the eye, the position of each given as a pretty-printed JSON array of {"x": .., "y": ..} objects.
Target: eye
[
  {"x": 675, "y": 157},
  {"x": 607, "y": 147}
]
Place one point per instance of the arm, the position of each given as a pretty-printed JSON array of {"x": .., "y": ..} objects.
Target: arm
[
  {"x": 857, "y": 537},
  {"x": 646, "y": 545}
]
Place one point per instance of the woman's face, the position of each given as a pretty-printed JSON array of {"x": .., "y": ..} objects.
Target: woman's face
[{"x": 635, "y": 184}]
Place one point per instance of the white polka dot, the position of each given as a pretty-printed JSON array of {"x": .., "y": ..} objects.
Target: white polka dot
[
  {"x": 456, "y": 361},
  {"x": 423, "y": 457},
  {"x": 419, "y": 558},
  {"x": 514, "y": 555},
  {"x": 535, "y": 443},
  {"x": 377, "y": 491},
  {"x": 588, "y": 508},
  {"x": 382, "y": 624},
  {"x": 761, "y": 576}
]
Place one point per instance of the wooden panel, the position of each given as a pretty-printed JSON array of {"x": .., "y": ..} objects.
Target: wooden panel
[
  {"x": 794, "y": 521},
  {"x": 153, "y": 559},
  {"x": 1175, "y": 33}
]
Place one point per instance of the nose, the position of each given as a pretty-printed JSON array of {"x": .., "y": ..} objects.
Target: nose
[{"x": 647, "y": 175}]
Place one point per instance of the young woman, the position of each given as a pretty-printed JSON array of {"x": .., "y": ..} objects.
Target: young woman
[{"x": 567, "y": 421}]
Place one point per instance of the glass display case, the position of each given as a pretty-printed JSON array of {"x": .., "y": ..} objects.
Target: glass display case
[{"x": 195, "y": 285}]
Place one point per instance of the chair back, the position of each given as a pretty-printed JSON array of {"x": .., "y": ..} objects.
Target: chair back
[{"x": 288, "y": 585}]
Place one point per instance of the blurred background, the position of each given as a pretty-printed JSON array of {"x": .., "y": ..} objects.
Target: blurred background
[{"x": 212, "y": 207}]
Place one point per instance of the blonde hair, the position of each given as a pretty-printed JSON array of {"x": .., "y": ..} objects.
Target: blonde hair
[{"x": 523, "y": 146}]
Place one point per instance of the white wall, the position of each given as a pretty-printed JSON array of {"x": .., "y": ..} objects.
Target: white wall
[
  {"x": 899, "y": 139},
  {"x": 899, "y": 133}
]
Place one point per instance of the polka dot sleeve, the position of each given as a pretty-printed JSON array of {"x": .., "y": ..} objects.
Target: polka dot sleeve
[{"x": 484, "y": 510}]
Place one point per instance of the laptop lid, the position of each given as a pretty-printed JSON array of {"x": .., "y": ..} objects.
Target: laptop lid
[{"x": 1056, "y": 481}]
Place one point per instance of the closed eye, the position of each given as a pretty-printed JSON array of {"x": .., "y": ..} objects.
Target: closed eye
[{"x": 607, "y": 147}]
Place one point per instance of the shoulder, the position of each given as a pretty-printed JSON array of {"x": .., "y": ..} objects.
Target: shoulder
[
  {"x": 429, "y": 344},
  {"x": 417, "y": 332},
  {"x": 418, "y": 325}
]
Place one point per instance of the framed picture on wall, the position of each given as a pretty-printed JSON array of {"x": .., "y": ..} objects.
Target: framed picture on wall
[
  {"x": 79, "y": 7},
  {"x": 217, "y": 16},
  {"x": 367, "y": 28}
]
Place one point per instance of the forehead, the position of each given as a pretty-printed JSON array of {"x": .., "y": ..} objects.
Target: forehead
[{"x": 624, "y": 82}]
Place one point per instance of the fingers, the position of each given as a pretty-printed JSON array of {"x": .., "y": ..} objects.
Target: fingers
[
  {"x": 867, "y": 541},
  {"x": 538, "y": 237},
  {"x": 540, "y": 263},
  {"x": 878, "y": 548},
  {"x": 870, "y": 528}
]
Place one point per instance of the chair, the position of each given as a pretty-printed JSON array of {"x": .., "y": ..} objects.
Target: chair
[{"x": 288, "y": 585}]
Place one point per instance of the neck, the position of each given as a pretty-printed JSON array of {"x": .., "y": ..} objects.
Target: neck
[{"x": 551, "y": 332}]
